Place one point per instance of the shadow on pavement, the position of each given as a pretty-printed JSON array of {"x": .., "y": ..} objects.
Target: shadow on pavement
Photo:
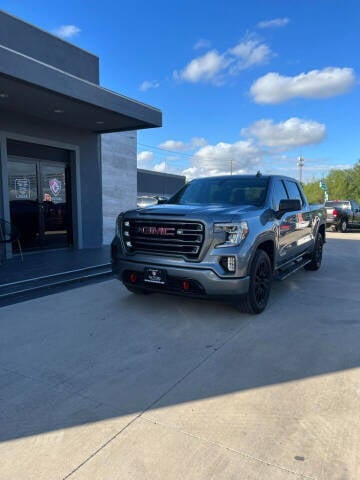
[{"x": 99, "y": 352}]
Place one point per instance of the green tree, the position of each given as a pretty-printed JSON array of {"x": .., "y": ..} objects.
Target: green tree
[
  {"x": 341, "y": 185},
  {"x": 338, "y": 182},
  {"x": 313, "y": 192},
  {"x": 354, "y": 183}
]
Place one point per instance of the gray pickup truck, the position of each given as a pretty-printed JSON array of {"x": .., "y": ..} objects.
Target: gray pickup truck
[{"x": 225, "y": 237}]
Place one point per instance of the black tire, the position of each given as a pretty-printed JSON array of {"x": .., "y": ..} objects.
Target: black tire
[
  {"x": 343, "y": 225},
  {"x": 261, "y": 275},
  {"x": 316, "y": 256},
  {"x": 138, "y": 290}
]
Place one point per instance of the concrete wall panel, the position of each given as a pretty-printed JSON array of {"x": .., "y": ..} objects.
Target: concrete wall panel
[{"x": 119, "y": 180}]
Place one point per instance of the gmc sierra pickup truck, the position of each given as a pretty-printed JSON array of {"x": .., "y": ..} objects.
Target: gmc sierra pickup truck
[{"x": 225, "y": 237}]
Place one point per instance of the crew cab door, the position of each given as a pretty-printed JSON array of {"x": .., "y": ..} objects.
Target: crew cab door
[
  {"x": 294, "y": 228},
  {"x": 303, "y": 225},
  {"x": 285, "y": 223}
]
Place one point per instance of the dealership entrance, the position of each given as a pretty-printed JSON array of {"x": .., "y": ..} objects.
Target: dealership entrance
[{"x": 40, "y": 202}]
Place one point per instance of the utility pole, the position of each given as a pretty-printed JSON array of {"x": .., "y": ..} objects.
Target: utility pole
[
  {"x": 231, "y": 166},
  {"x": 300, "y": 165}
]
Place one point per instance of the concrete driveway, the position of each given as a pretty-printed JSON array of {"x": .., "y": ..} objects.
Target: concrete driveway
[{"x": 96, "y": 383}]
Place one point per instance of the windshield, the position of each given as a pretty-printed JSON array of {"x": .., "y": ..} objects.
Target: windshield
[{"x": 223, "y": 191}]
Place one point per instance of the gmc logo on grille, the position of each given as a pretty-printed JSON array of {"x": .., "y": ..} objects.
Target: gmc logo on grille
[{"x": 162, "y": 231}]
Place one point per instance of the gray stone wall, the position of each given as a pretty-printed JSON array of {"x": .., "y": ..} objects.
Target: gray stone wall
[{"x": 119, "y": 177}]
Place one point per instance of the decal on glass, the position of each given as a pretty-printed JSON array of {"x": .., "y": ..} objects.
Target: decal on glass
[
  {"x": 22, "y": 188},
  {"x": 55, "y": 186}
]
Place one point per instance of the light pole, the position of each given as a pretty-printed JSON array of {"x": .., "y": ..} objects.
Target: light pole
[{"x": 300, "y": 165}]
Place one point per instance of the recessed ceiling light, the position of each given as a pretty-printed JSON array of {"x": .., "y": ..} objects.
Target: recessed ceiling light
[
  {"x": 4, "y": 95},
  {"x": 58, "y": 110},
  {"x": 100, "y": 122}
]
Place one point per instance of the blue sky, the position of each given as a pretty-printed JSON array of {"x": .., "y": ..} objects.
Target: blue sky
[{"x": 242, "y": 85}]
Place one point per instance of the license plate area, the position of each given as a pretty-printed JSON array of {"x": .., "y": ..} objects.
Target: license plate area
[{"x": 155, "y": 275}]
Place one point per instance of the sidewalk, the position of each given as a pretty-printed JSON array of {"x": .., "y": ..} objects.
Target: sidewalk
[{"x": 45, "y": 263}]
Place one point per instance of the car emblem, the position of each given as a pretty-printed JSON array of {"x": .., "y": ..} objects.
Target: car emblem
[
  {"x": 55, "y": 186},
  {"x": 161, "y": 231}
]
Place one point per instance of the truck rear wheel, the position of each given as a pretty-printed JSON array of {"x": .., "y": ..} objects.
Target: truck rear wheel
[
  {"x": 342, "y": 226},
  {"x": 256, "y": 299}
]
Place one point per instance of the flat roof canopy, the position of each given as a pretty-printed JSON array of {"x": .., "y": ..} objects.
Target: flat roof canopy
[{"x": 31, "y": 87}]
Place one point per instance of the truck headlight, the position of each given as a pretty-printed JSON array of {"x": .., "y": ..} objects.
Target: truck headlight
[{"x": 234, "y": 233}]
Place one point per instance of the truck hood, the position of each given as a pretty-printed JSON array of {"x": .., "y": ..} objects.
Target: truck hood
[{"x": 198, "y": 211}]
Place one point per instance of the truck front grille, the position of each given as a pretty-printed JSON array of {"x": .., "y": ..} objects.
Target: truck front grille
[{"x": 163, "y": 237}]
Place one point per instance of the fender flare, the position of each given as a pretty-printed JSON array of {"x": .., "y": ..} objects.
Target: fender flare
[{"x": 262, "y": 238}]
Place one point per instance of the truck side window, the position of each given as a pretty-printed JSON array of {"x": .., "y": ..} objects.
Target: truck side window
[
  {"x": 279, "y": 193},
  {"x": 293, "y": 191}
]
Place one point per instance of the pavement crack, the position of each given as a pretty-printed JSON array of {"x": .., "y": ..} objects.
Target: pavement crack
[
  {"x": 243, "y": 325},
  {"x": 225, "y": 447}
]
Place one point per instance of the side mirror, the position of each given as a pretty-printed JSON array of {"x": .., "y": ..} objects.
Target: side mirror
[{"x": 289, "y": 205}]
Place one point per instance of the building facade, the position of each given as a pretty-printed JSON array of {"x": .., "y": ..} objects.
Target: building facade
[
  {"x": 67, "y": 145},
  {"x": 158, "y": 183}
]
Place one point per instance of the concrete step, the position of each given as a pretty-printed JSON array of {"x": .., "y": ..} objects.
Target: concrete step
[{"x": 15, "y": 292}]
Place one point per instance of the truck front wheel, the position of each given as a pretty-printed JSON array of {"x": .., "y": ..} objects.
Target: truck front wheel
[
  {"x": 256, "y": 299},
  {"x": 316, "y": 256}
]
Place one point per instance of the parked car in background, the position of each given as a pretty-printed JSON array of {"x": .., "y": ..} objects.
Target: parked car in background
[
  {"x": 220, "y": 236},
  {"x": 342, "y": 214}
]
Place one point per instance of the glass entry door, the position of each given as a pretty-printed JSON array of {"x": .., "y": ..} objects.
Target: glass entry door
[{"x": 40, "y": 203}]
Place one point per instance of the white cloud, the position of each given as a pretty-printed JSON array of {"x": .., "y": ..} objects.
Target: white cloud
[
  {"x": 197, "y": 142},
  {"x": 262, "y": 142},
  {"x": 178, "y": 146},
  {"x": 147, "y": 84},
  {"x": 173, "y": 145},
  {"x": 240, "y": 157},
  {"x": 213, "y": 67},
  {"x": 190, "y": 172},
  {"x": 203, "y": 69},
  {"x": 145, "y": 156},
  {"x": 159, "y": 167},
  {"x": 275, "y": 88},
  {"x": 67, "y": 31},
  {"x": 274, "y": 23},
  {"x": 283, "y": 136},
  {"x": 249, "y": 53},
  {"x": 202, "y": 43}
]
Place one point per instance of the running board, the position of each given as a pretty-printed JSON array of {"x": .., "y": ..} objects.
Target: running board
[{"x": 286, "y": 273}]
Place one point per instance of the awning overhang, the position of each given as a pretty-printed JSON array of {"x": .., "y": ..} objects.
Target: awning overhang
[{"x": 31, "y": 87}]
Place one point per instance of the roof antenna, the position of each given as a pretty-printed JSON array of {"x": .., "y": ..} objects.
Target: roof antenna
[{"x": 258, "y": 173}]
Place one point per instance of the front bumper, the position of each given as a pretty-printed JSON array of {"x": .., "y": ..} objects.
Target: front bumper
[{"x": 203, "y": 282}]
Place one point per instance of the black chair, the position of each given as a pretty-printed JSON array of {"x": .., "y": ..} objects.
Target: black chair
[{"x": 10, "y": 234}]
